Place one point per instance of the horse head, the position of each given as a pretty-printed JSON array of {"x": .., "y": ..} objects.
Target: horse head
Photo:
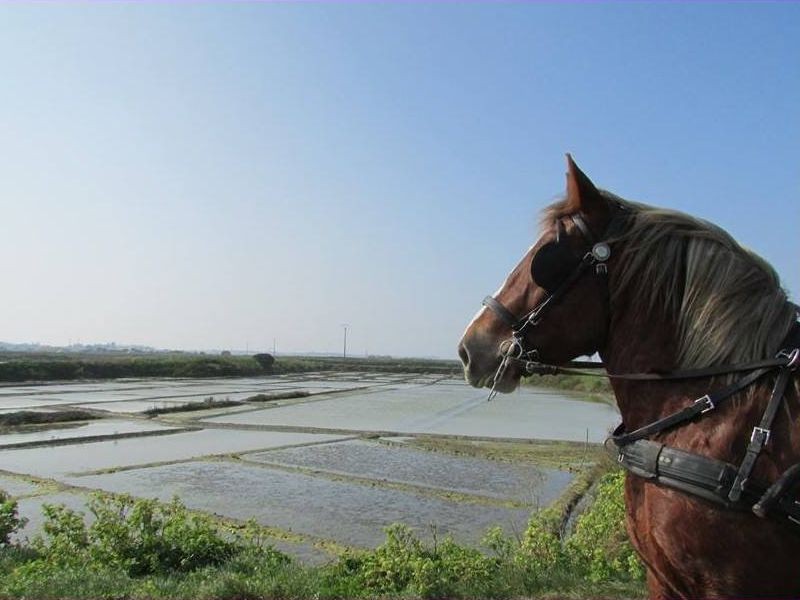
[{"x": 550, "y": 275}]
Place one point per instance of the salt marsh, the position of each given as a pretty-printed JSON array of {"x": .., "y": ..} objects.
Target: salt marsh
[{"x": 309, "y": 466}]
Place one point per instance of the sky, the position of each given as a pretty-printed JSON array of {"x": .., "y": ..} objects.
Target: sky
[{"x": 229, "y": 176}]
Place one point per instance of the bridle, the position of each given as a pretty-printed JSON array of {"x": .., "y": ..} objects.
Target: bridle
[
  {"x": 715, "y": 480},
  {"x": 596, "y": 256}
]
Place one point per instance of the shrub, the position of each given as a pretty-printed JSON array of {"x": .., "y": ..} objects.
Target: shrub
[
  {"x": 143, "y": 536},
  {"x": 10, "y": 522},
  {"x": 64, "y": 537},
  {"x": 540, "y": 548},
  {"x": 403, "y": 564},
  {"x": 265, "y": 360},
  {"x": 600, "y": 544},
  {"x": 598, "y": 551},
  {"x": 137, "y": 536}
]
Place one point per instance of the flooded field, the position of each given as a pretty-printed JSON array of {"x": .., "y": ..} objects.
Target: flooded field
[
  {"x": 444, "y": 409},
  {"x": 327, "y": 469},
  {"x": 81, "y": 431},
  {"x": 349, "y": 512},
  {"x": 525, "y": 484}
]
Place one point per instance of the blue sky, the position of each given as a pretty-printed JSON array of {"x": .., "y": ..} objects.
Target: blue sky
[{"x": 218, "y": 176}]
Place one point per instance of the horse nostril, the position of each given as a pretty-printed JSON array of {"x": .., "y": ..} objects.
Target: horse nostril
[{"x": 463, "y": 354}]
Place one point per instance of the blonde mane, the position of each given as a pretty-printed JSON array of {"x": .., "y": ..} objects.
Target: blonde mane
[{"x": 726, "y": 302}]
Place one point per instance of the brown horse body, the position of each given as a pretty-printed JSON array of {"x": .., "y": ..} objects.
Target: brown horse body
[{"x": 691, "y": 547}]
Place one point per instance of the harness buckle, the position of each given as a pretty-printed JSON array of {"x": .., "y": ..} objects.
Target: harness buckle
[
  {"x": 601, "y": 268},
  {"x": 762, "y": 435},
  {"x": 792, "y": 357},
  {"x": 709, "y": 404}
]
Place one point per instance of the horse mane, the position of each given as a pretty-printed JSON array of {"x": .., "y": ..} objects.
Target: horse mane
[{"x": 727, "y": 303}]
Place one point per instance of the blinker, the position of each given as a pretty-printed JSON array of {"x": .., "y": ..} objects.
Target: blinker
[{"x": 552, "y": 264}]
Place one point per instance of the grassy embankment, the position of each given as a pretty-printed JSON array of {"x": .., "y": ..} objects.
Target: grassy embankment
[
  {"x": 20, "y": 418},
  {"x": 143, "y": 549},
  {"x": 592, "y": 388},
  {"x": 211, "y": 402}
]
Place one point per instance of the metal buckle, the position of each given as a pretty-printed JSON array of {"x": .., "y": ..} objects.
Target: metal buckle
[
  {"x": 762, "y": 433},
  {"x": 709, "y": 404},
  {"x": 512, "y": 351},
  {"x": 792, "y": 357},
  {"x": 601, "y": 268}
]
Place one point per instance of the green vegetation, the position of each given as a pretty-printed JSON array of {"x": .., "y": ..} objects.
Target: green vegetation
[
  {"x": 265, "y": 360},
  {"x": 143, "y": 549},
  {"x": 30, "y": 417},
  {"x": 50, "y": 367},
  {"x": 599, "y": 550},
  {"x": 547, "y": 453},
  {"x": 55, "y": 367},
  {"x": 278, "y": 396},
  {"x": 592, "y": 387},
  {"x": 9, "y": 519},
  {"x": 206, "y": 404},
  {"x": 387, "y": 365}
]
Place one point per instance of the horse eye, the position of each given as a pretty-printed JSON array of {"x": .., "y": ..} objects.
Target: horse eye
[{"x": 552, "y": 264}]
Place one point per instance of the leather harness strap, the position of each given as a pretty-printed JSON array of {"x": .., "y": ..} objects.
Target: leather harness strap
[
  {"x": 710, "y": 479},
  {"x": 700, "y": 406},
  {"x": 760, "y": 435}
]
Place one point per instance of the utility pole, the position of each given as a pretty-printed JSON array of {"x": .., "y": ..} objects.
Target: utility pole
[{"x": 344, "y": 352}]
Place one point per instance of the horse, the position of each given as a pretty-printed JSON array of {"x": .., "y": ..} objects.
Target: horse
[{"x": 686, "y": 322}]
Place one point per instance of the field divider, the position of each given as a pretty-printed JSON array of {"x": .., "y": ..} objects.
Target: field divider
[
  {"x": 203, "y": 458},
  {"x": 391, "y": 484},
  {"x": 374, "y": 433},
  {"x": 96, "y": 438}
]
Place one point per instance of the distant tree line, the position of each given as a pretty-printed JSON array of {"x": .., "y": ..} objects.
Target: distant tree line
[{"x": 60, "y": 367}]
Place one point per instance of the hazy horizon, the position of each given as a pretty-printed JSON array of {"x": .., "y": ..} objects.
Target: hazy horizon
[
  {"x": 219, "y": 176},
  {"x": 121, "y": 346}
]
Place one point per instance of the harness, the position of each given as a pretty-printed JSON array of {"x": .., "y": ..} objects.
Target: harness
[{"x": 556, "y": 268}]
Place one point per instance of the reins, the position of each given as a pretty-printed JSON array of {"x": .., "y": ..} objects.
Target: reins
[{"x": 531, "y": 367}]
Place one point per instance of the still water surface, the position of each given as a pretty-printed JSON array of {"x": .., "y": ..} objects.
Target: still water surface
[{"x": 243, "y": 463}]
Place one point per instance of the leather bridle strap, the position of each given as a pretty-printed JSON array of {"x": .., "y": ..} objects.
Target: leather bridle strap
[
  {"x": 518, "y": 325},
  {"x": 583, "y": 227},
  {"x": 571, "y": 368},
  {"x": 505, "y": 315},
  {"x": 533, "y": 317},
  {"x": 790, "y": 358},
  {"x": 515, "y": 349}
]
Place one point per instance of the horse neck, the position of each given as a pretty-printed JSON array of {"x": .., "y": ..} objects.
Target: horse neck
[{"x": 640, "y": 343}]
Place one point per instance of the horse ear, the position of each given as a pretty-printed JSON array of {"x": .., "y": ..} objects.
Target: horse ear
[{"x": 581, "y": 193}]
